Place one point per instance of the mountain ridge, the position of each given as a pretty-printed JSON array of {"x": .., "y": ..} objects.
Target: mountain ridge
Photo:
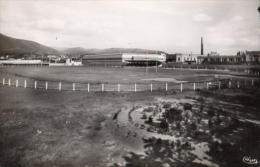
[{"x": 19, "y": 47}]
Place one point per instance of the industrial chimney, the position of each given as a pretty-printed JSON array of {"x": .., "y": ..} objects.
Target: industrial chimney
[{"x": 201, "y": 47}]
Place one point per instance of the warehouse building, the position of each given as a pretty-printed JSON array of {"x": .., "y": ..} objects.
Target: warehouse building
[
  {"x": 221, "y": 59},
  {"x": 102, "y": 59}
]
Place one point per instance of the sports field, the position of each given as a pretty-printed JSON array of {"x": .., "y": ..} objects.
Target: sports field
[{"x": 114, "y": 75}]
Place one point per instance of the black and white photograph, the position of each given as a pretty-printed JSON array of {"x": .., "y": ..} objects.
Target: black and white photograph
[{"x": 129, "y": 83}]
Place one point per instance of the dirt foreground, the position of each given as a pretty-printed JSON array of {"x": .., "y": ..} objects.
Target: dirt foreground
[{"x": 80, "y": 129}]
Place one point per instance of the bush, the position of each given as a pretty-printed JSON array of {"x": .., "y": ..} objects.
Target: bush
[
  {"x": 187, "y": 106},
  {"x": 164, "y": 124},
  {"x": 173, "y": 114}
]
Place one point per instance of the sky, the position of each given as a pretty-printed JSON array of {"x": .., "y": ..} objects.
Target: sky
[{"x": 227, "y": 26}]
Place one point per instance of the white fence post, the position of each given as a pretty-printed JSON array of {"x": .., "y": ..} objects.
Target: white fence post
[
  {"x": 135, "y": 87},
  {"x": 229, "y": 84},
  {"x": 237, "y": 84},
  {"x": 35, "y": 84},
  {"x": 118, "y": 87},
  {"x": 252, "y": 82},
  {"x": 73, "y": 87},
  {"x": 16, "y": 84},
  {"x": 9, "y": 82},
  {"x": 166, "y": 86},
  {"x": 207, "y": 85},
  {"x": 3, "y": 81},
  {"x": 219, "y": 84},
  {"x": 88, "y": 87},
  {"x": 102, "y": 87},
  {"x": 151, "y": 87},
  {"x": 181, "y": 87},
  {"x": 46, "y": 85},
  {"x": 194, "y": 86},
  {"x": 59, "y": 86},
  {"x": 25, "y": 83}
]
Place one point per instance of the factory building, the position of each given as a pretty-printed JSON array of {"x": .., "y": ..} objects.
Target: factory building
[
  {"x": 249, "y": 57},
  {"x": 190, "y": 58}
]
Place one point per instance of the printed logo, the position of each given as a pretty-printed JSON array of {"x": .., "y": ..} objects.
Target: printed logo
[{"x": 250, "y": 161}]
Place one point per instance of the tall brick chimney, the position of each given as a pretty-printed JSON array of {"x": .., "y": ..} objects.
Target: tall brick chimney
[{"x": 201, "y": 46}]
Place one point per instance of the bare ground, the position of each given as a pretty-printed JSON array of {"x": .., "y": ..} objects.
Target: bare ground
[{"x": 51, "y": 128}]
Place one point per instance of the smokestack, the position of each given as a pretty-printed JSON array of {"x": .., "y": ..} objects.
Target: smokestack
[{"x": 201, "y": 47}]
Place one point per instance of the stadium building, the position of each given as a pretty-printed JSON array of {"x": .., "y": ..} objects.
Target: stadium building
[
  {"x": 143, "y": 59},
  {"x": 129, "y": 59}
]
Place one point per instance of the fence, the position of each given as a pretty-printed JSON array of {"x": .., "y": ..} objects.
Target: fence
[{"x": 136, "y": 87}]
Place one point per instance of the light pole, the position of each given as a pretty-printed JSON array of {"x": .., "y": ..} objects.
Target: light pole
[
  {"x": 156, "y": 66},
  {"x": 146, "y": 63},
  {"x": 156, "y": 61}
]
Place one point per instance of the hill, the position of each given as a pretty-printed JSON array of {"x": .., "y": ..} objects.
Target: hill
[{"x": 19, "y": 47}]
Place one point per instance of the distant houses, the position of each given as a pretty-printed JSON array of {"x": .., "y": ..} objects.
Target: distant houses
[
  {"x": 252, "y": 56},
  {"x": 34, "y": 59}
]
